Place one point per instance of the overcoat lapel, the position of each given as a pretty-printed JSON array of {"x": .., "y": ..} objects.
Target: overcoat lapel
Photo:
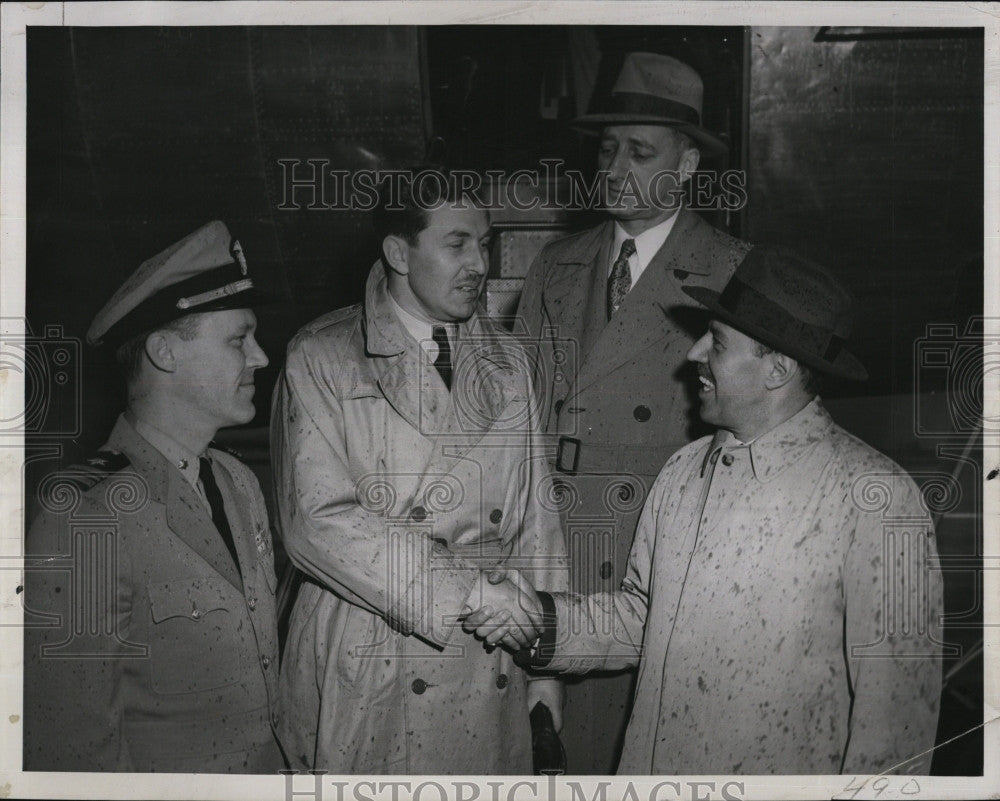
[
  {"x": 187, "y": 517},
  {"x": 642, "y": 320}
]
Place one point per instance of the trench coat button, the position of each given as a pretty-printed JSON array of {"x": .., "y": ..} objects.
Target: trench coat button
[
  {"x": 641, "y": 413},
  {"x": 607, "y": 570},
  {"x": 558, "y": 406},
  {"x": 252, "y": 603},
  {"x": 196, "y": 613},
  {"x": 265, "y": 661},
  {"x": 727, "y": 459},
  {"x": 419, "y": 686},
  {"x": 496, "y": 516},
  {"x": 502, "y": 681},
  {"x": 419, "y": 514}
]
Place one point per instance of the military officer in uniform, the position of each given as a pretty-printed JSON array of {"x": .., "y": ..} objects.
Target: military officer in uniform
[
  {"x": 599, "y": 304},
  {"x": 150, "y": 641}
]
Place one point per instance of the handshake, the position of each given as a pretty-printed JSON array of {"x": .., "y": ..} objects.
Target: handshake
[{"x": 509, "y": 611}]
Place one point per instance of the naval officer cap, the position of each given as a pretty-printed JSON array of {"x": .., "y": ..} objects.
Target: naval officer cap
[{"x": 206, "y": 271}]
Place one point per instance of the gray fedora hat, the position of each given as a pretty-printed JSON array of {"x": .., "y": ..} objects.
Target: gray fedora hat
[
  {"x": 791, "y": 304},
  {"x": 653, "y": 89}
]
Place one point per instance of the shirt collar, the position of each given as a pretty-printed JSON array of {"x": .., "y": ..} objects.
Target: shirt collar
[
  {"x": 778, "y": 449},
  {"x": 175, "y": 453},
  {"x": 421, "y": 330},
  {"x": 647, "y": 244}
]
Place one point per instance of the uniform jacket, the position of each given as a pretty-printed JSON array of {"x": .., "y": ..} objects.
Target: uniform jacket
[
  {"x": 179, "y": 673},
  {"x": 393, "y": 492},
  {"x": 783, "y": 605}
]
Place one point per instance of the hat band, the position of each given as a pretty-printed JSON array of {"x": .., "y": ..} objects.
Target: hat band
[
  {"x": 643, "y": 105},
  {"x": 751, "y": 307},
  {"x": 165, "y": 305}
]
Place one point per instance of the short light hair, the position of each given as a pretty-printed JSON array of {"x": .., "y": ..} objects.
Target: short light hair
[{"x": 130, "y": 354}]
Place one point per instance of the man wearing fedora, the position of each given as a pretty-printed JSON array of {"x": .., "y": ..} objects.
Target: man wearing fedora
[
  {"x": 780, "y": 601},
  {"x": 151, "y": 638},
  {"x": 613, "y": 402}
]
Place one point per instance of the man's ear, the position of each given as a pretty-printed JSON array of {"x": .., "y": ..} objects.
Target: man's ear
[
  {"x": 160, "y": 351},
  {"x": 688, "y": 163},
  {"x": 783, "y": 369},
  {"x": 396, "y": 250}
]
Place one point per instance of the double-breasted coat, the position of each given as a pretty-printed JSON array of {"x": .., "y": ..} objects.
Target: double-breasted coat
[
  {"x": 616, "y": 405},
  {"x": 393, "y": 493},
  {"x": 145, "y": 649}
]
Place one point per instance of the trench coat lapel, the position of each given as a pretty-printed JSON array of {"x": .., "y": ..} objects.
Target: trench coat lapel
[
  {"x": 642, "y": 320},
  {"x": 187, "y": 517}
]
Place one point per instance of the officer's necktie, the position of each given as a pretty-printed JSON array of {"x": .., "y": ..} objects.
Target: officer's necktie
[
  {"x": 218, "y": 508},
  {"x": 620, "y": 280},
  {"x": 443, "y": 361}
]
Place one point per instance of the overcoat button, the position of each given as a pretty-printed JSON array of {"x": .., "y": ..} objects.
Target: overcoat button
[
  {"x": 252, "y": 603},
  {"x": 641, "y": 413},
  {"x": 496, "y": 516},
  {"x": 196, "y": 613},
  {"x": 266, "y": 662},
  {"x": 607, "y": 570},
  {"x": 558, "y": 406},
  {"x": 727, "y": 459},
  {"x": 419, "y": 514},
  {"x": 418, "y": 686},
  {"x": 502, "y": 681}
]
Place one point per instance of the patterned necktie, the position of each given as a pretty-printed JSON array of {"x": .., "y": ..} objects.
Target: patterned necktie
[
  {"x": 218, "y": 509},
  {"x": 443, "y": 360},
  {"x": 620, "y": 281}
]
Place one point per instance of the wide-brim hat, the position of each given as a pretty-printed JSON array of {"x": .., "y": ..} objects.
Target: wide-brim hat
[
  {"x": 790, "y": 304},
  {"x": 653, "y": 89},
  {"x": 205, "y": 271}
]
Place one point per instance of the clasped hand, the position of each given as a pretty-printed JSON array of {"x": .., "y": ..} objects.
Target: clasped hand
[{"x": 509, "y": 610}]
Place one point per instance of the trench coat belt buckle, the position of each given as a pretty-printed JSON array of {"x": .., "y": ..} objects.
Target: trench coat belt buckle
[{"x": 573, "y": 456}]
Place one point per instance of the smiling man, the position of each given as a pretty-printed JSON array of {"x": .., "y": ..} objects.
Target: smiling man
[
  {"x": 614, "y": 401},
  {"x": 408, "y": 465},
  {"x": 154, "y": 560},
  {"x": 781, "y": 602}
]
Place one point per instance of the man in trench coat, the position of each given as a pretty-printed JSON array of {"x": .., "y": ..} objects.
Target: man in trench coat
[
  {"x": 150, "y": 632},
  {"x": 613, "y": 400},
  {"x": 783, "y": 599},
  {"x": 408, "y": 461}
]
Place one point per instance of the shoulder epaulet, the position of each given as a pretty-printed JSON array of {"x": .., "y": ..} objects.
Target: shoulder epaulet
[
  {"x": 226, "y": 449},
  {"x": 94, "y": 469}
]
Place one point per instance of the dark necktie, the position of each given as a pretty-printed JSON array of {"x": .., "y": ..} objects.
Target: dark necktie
[
  {"x": 218, "y": 508},
  {"x": 443, "y": 361},
  {"x": 620, "y": 280}
]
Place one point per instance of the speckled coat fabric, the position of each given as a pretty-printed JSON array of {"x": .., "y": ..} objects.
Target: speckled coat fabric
[
  {"x": 189, "y": 683},
  {"x": 781, "y": 599},
  {"x": 393, "y": 492},
  {"x": 618, "y": 388}
]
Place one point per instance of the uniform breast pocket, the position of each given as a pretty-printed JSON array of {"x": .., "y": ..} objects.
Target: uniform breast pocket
[{"x": 196, "y": 642}]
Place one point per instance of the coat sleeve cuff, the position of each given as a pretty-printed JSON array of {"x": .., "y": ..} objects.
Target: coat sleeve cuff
[{"x": 540, "y": 655}]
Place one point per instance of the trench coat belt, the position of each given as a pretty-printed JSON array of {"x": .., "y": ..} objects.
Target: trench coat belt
[
  {"x": 483, "y": 553},
  {"x": 571, "y": 455}
]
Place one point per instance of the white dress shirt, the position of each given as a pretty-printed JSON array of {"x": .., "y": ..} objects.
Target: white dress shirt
[{"x": 646, "y": 245}]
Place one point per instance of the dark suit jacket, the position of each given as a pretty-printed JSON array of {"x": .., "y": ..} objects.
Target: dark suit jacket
[{"x": 144, "y": 649}]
